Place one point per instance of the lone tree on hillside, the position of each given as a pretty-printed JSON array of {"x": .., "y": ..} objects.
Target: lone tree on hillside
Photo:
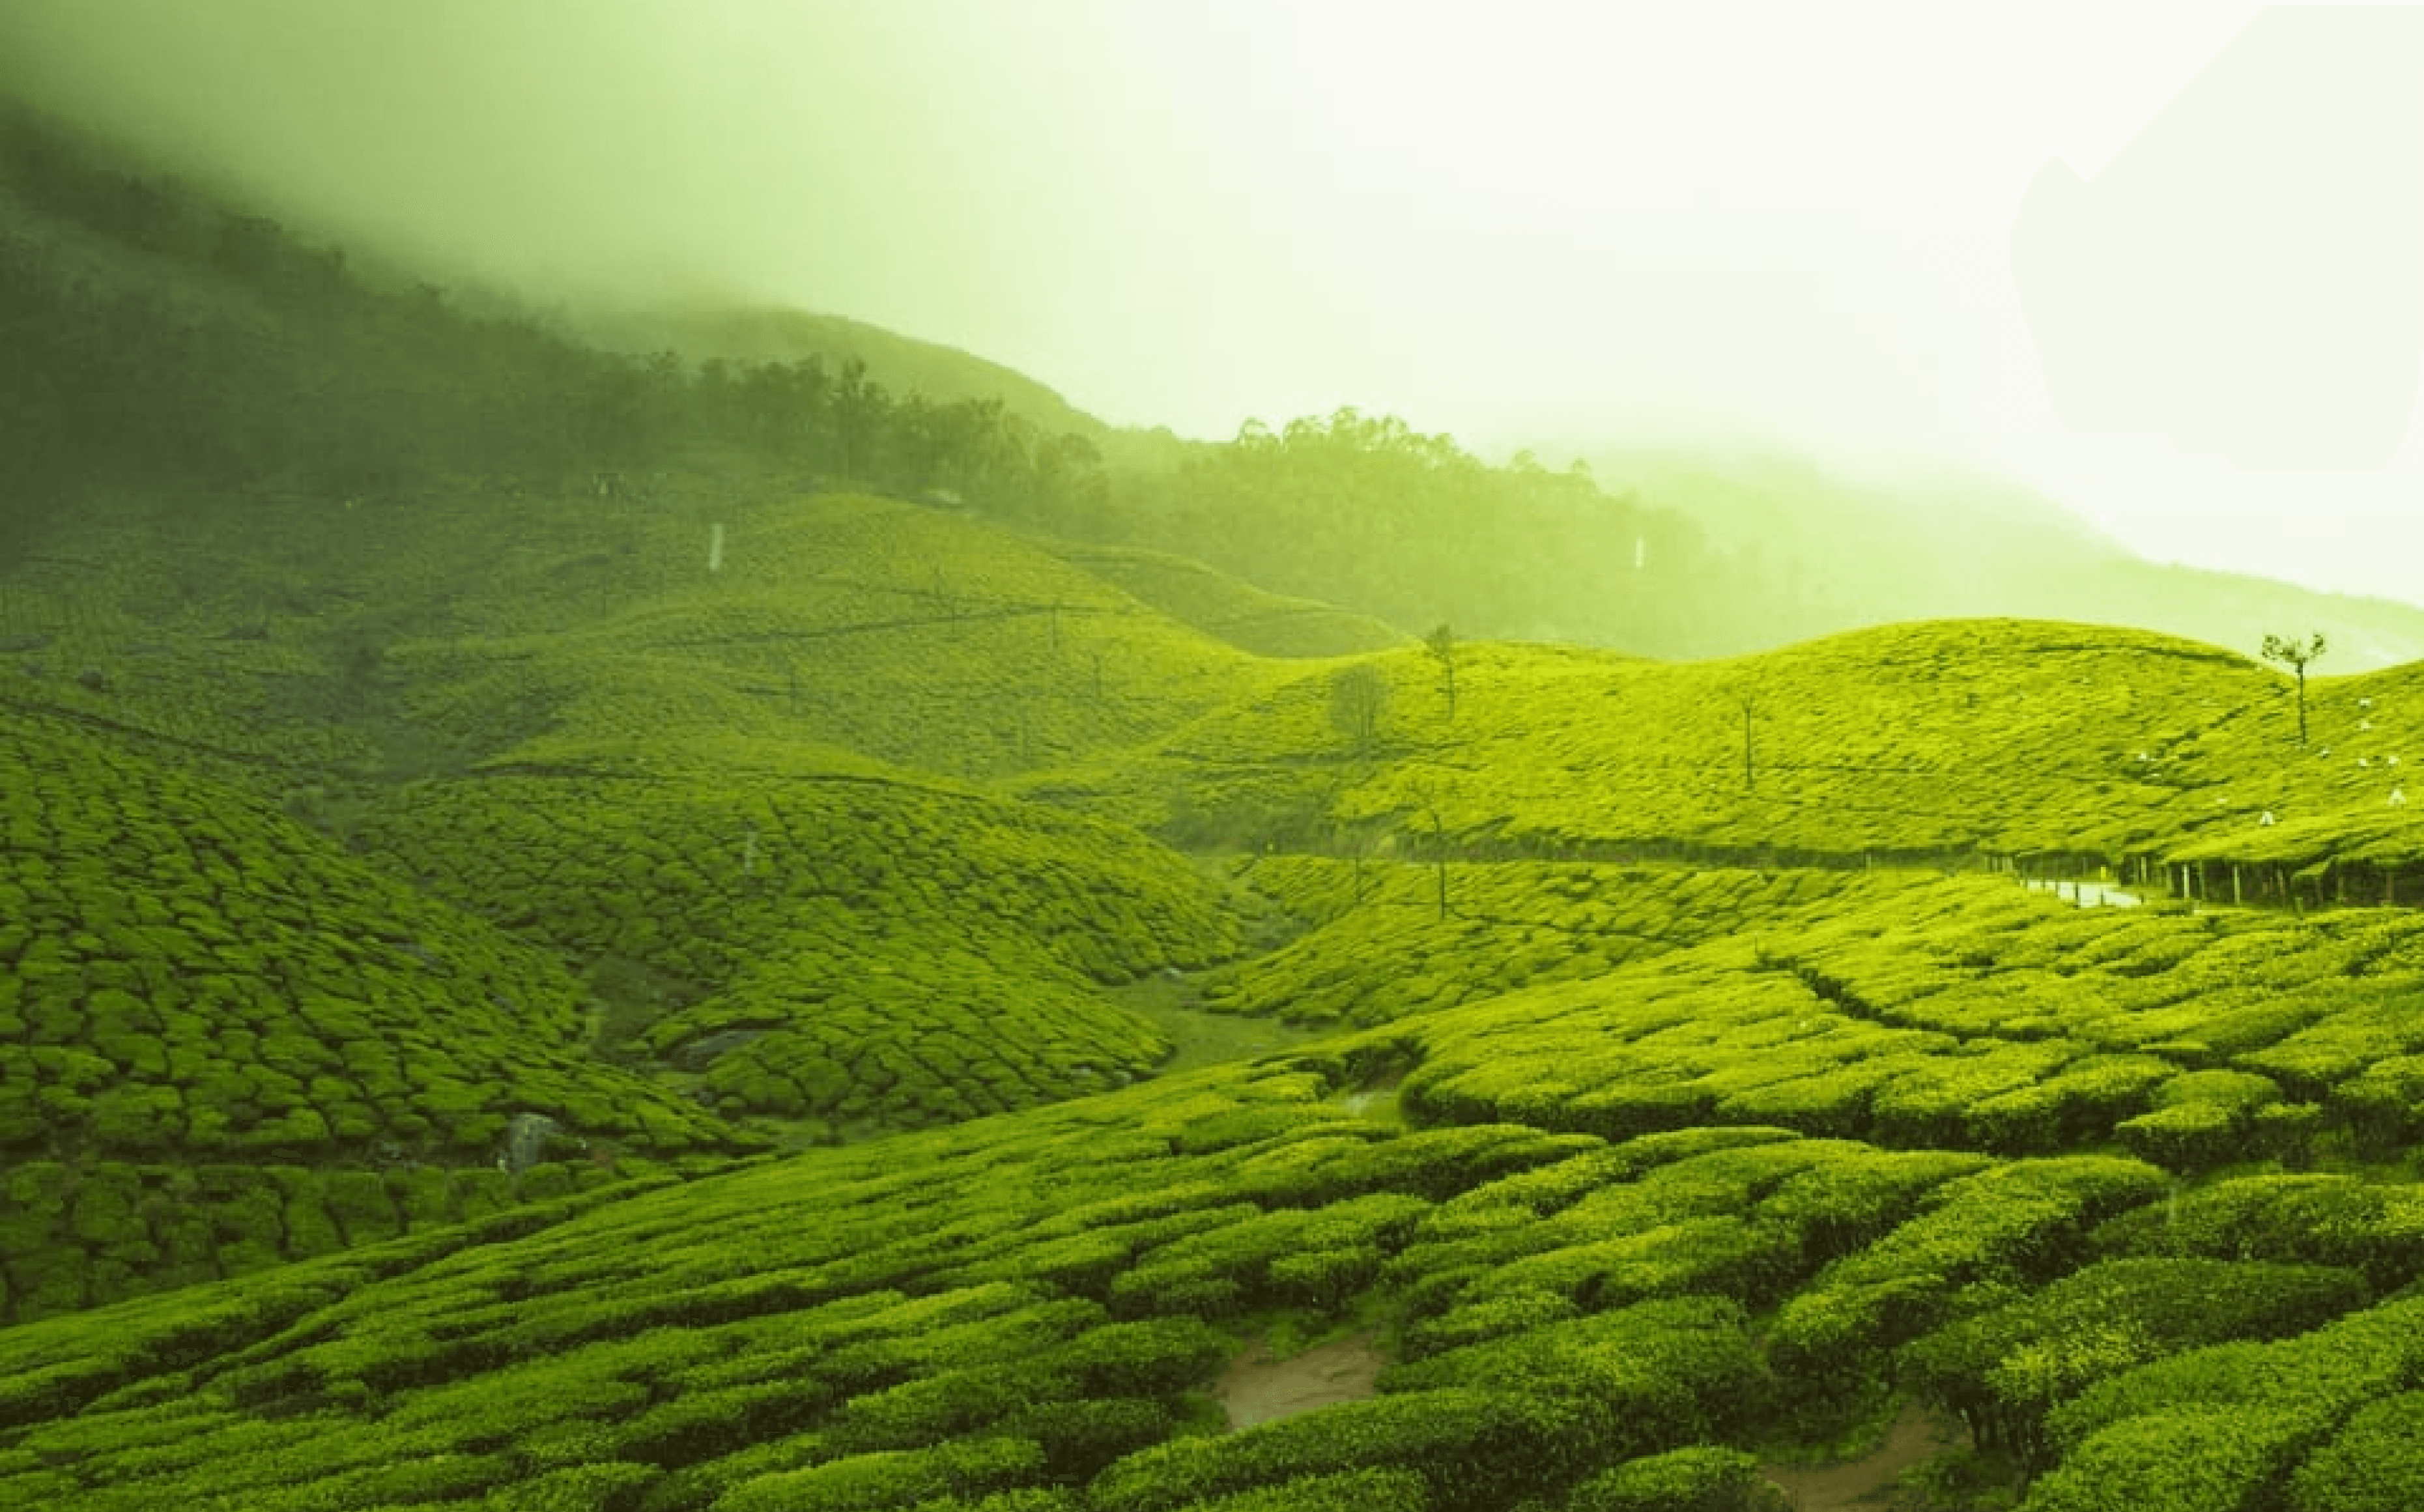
[
  {"x": 2294, "y": 654},
  {"x": 1357, "y": 700},
  {"x": 1441, "y": 643},
  {"x": 1746, "y": 699}
]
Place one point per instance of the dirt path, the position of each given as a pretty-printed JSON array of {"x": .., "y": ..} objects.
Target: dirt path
[
  {"x": 1258, "y": 1388},
  {"x": 1868, "y": 1481}
]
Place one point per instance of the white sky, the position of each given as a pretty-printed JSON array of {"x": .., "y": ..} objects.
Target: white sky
[{"x": 1521, "y": 223}]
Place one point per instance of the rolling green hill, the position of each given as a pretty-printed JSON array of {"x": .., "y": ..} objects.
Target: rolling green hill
[
  {"x": 596, "y": 959},
  {"x": 1636, "y": 1056},
  {"x": 1952, "y": 741},
  {"x": 1590, "y": 1274},
  {"x": 670, "y": 778},
  {"x": 1220, "y": 606},
  {"x": 828, "y": 945},
  {"x": 210, "y": 1015}
]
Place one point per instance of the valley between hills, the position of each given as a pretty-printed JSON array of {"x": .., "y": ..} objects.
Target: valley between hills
[
  {"x": 765, "y": 997},
  {"x": 599, "y": 930}
]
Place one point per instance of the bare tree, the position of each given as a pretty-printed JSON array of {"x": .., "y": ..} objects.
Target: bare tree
[
  {"x": 1358, "y": 697},
  {"x": 1441, "y": 643},
  {"x": 1425, "y": 795},
  {"x": 1747, "y": 700},
  {"x": 2294, "y": 654}
]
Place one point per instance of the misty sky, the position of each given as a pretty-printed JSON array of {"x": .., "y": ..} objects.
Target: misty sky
[{"x": 2162, "y": 260}]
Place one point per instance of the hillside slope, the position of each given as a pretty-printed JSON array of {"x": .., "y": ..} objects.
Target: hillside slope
[
  {"x": 1588, "y": 1273},
  {"x": 1224, "y": 606},
  {"x": 665, "y": 768},
  {"x": 1813, "y": 1141},
  {"x": 224, "y": 1043},
  {"x": 577, "y": 935},
  {"x": 1955, "y": 740}
]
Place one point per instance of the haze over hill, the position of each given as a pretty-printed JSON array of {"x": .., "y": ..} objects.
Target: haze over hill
[
  {"x": 1548, "y": 223},
  {"x": 360, "y": 379},
  {"x": 684, "y": 906}
]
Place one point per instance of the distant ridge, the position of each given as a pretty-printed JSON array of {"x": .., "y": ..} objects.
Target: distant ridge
[
  {"x": 945, "y": 375},
  {"x": 1819, "y": 550}
]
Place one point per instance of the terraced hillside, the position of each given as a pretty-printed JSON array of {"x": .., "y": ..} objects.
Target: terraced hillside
[
  {"x": 407, "y": 636},
  {"x": 827, "y": 944},
  {"x": 224, "y": 1044},
  {"x": 694, "y": 900},
  {"x": 1692, "y": 1092},
  {"x": 558, "y": 952},
  {"x": 1267, "y": 624},
  {"x": 1952, "y": 741},
  {"x": 1777, "y": 1189}
]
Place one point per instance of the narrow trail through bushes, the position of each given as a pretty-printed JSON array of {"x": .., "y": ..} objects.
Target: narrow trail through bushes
[
  {"x": 1868, "y": 1481},
  {"x": 1257, "y": 1388}
]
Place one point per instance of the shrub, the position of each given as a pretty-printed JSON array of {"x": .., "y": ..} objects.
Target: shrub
[
  {"x": 951, "y": 1404},
  {"x": 1700, "y": 1479},
  {"x": 2005, "y": 1369},
  {"x": 2187, "y": 1136},
  {"x": 2186, "y": 1459},
  {"x": 603, "y": 1486},
  {"x": 1156, "y": 1357},
  {"x": 2313, "y": 1379},
  {"x": 1354, "y": 1490},
  {"x": 1469, "y": 1447},
  {"x": 1634, "y": 1381},
  {"x": 699, "y": 1426},
  {"x": 2374, "y": 1464},
  {"x": 1079, "y": 1435},
  {"x": 2317, "y": 1220},
  {"x": 862, "y": 1482},
  {"x": 1505, "y": 1312},
  {"x": 1292, "y": 1255},
  {"x": 2018, "y": 1224},
  {"x": 2384, "y": 1104}
]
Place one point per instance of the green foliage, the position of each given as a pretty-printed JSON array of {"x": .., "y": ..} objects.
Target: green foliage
[
  {"x": 1469, "y": 1447},
  {"x": 878, "y": 952},
  {"x": 1248, "y": 617},
  {"x": 861, "y": 1483},
  {"x": 1633, "y": 1381},
  {"x": 1514, "y": 925},
  {"x": 2213, "y": 1426},
  {"x": 390, "y": 813},
  {"x": 312, "y": 980},
  {"x": 213, "y": 344},
  {"x": 1359, "y": 701},
  {"x": 2004, "y": 1369},
  {"x": 2375, "y": 1228},
  {"x": 2374, "y": 1463},
  {"x": 1153, "y": 1358},
  {"x": 1351, "y": 1491},
  {"x": 1361, "y": 509},
  {"x": 1701, "y": 1479},
  {"x": 2201, "y": 1119},
  {"x": 2190, "y": 1458},
  {"x": 2018, "y": 1224}
]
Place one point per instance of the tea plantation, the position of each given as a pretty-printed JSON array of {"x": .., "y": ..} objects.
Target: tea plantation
[{"x": 626, "y": 1006}]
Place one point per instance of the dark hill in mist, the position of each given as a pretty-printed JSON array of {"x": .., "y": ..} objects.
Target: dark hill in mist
[
  {"x": 945, "y": 375},
  {"x": 161, "y": 335}
]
